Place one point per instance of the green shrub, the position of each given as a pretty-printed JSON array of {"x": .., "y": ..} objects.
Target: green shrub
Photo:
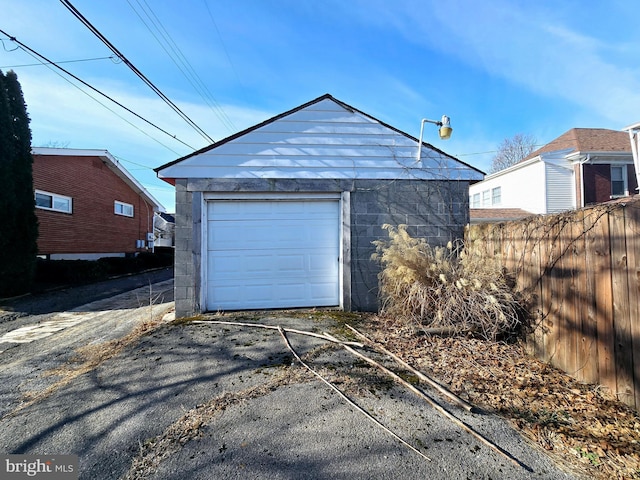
[{"x": 443, "y": 288}]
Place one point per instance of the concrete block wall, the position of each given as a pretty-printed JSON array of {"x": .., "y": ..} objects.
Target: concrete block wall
[
  {"x": 185, "y": 294},
  {"x": 434, "y": 210}
]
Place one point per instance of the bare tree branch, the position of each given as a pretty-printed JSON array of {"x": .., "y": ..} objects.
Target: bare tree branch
[{"x": 512, "y": 150}]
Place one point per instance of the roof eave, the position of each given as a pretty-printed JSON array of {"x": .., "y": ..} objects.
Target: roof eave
[{"x": 111, "y": 162}]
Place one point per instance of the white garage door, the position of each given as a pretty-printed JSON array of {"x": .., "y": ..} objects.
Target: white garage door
[{"x": 272, "y": 254}]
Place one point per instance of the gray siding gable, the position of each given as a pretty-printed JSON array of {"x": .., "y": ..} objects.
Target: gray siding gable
[{"x": 320, "y": 140}]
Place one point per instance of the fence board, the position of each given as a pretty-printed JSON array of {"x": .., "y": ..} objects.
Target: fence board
[
  {"x": 579, "y": 299},
  {"x": 620, "y": 300},
  {"x": 603, "y": 301},
  {"x": 632, "y": 230},
  {"x": 589, "y": 348},
  {"x": 582, "y": 274},
  {"x": 553, "y": 278},
  {"x": 570, "y": 319},
  {"x": 536, "y": 275}
]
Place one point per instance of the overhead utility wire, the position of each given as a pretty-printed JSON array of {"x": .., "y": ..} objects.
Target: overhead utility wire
[
  {"x": 180, "y": 60},
  {"x": 224, "y": 47},
  {"x": 103, "y": 105},
  {"x": 49, "y": 62},
  {"x": 135, "y": 70},
  {"x": 63, "y": 61}
]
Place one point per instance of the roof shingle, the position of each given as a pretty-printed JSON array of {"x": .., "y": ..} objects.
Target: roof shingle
[{"x": 587, "y": 140}]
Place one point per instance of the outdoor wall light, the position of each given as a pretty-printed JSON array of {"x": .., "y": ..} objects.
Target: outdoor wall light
[{"x": 444, "y": 131}]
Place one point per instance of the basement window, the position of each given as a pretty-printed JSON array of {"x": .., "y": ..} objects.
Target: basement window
[
  {"x": 53, "y": 202},
  {"x": 125, "y": 209}
]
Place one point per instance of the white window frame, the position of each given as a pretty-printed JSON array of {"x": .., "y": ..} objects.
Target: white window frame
[
  {"x": 623, "y": 169},
  {"x": 54, "y": 197},
  {"x": 120, "y": 208},
  {"x": 486, "y": 198},
  {"x": 496, "y": 196},
  {"x": 474, "y": 200}
]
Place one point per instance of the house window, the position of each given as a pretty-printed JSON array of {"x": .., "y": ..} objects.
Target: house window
[
  {"x": 475, "y": 200},
  {"x": 496, "y": 196},
  {"x": 618, "y": 180},
  {"x": 486, "y": 198},
  {"x": 51, "y": 201},
  {"x": 121, "y": 208}
]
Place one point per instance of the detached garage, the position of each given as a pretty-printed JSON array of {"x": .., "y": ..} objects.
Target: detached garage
[{"x": 282, "y": 215}]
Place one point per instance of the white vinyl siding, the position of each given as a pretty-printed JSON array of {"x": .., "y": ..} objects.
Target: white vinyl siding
[
  {"x": 560, "y": 189},
  {"x": 272, "y": 253},
  {"x": 323, "y": 140},
  {"x": 522, "y": 188}
]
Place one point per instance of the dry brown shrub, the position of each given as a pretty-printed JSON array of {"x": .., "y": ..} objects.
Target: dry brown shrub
[{"x": 443, "y": 288}]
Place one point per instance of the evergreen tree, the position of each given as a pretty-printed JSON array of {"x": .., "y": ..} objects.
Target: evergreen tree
[{"x": 18, "y": 235}]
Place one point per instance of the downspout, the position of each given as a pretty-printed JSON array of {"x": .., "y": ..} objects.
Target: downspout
[
  {"x": 635, "y": 146},
  {"x": 587, "y": 159}
]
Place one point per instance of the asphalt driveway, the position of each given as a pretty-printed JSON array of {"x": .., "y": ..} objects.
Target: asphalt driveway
[{"x": 208, "y": 400}]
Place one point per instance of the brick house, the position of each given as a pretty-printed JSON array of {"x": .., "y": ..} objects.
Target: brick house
[
  {"x": 283, "y": 214},
  {"x": 88, "y": 206}
]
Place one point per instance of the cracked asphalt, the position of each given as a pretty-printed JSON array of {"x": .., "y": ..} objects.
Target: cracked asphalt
[{"x": 206, "y": 400}]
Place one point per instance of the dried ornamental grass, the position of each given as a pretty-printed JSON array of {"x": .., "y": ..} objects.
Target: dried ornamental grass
[{"x": 443, "y": 287}]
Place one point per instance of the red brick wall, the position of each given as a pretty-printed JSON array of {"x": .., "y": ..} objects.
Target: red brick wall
[
  {"x": 93, "y": 227},
  {"x": 597, "y": 182}
]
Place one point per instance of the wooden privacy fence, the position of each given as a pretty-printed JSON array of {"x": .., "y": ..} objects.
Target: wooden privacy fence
[{"x": 580, "y": 275}]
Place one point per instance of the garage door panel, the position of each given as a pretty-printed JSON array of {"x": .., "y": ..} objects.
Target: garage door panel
[
  {"x": 302, "y": 263},
  {"x": 272, "y": 254},
  {"x": 239, "y": 236},
  {"x": 264, "y": 295}
]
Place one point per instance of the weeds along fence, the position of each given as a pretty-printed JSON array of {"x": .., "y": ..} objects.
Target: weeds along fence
[{"x": 580, "y": 275}]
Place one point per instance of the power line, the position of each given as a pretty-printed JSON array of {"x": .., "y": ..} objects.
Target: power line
[
  {"x": 224, "y": 47},
  {"x": 112, "y": 58},
  {"x": 135, "y": 70},
  {"x": 180, "y": 60},
  {"x": 51, "y": 63}
]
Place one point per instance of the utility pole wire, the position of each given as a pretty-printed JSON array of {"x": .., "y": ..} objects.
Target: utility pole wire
[
  {"x": 60, "y": 61},
  {"x": 42, "y": 57},
  {"x": 180, "y": 60},
  {"x": 135, "y": 70}
]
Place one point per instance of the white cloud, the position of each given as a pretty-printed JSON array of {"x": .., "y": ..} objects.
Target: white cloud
[{"x": 529, "y": 44}]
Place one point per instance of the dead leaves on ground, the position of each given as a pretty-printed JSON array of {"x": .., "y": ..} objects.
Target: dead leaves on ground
[{"x": 581, "y": 424}]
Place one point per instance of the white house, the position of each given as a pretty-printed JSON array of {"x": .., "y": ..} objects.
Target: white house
[{"x": 581, "y": 167}]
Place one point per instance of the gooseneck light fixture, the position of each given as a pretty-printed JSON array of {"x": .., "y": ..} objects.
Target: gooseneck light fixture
[{"x": 444, "y": 131}]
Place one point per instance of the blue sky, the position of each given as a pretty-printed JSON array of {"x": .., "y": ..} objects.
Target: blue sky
[{"x": 497, "y": 68}]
